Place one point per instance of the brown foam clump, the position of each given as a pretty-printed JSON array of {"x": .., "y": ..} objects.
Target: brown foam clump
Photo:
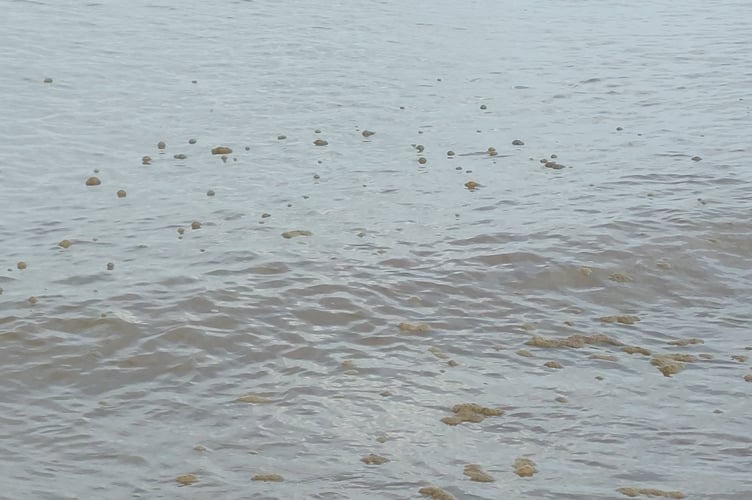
[
  {"x": 320, "y": 142},
  {"x": 586, "y": 271},
  {"x": 367, "y": 133},
  {"x": 64, "y": 244},
  {"x": 252, "y": 398},
  {"x": 476, "y": 473},
  {"x": 436, "y": 493},
  {"x": 187, "y": 479},
  {"x": 293, "y": 234},
  {"x": 562, "y": 399},
  {"x": 573, "y": 341},
  {"x": 554, "y": 165},
  {"x": 267, "y": 477},
  {"x": 471, "y": 412},
  {"x": 161, "y": 145},
  {"x": 524, "y": 353},
  {"x": 685, "y": 342},
  {"x": 748, "y": 377},
  {"x": 739, "y": 357},
  {"x": 705, "y": 355},
  {"x": 422, "y": 160},
  {"x": 414, "y": 327},
  {"x": 383, "y": 438},
  {"x": 472, "y": 185},
  {"x": 604, "y": 357},
  {"x": 93, "y": 181},
  {"x": 624, "y": 319},
  {"x": 146, "y": 160},
  {"x": 633, "y": 349},
  {"x": 620, "y": 277},
  {"x": 180, "y": 156},
  {"x": 524, "y": 467},
  {"x": 121, "y": 193},
  {"x": 438, "y": 353},
  {"x": 110, "y": 266},
  {"x": 552, "y": 364},
  {"x": 221, "y": 150},
  {"x": 21, "y": 265},
  {"x": 195, "y": 225},
  {"x": 671, "y": 364},
  {"x": 650, "y": 492},
  {"x": 191, "y": 141},
  {"x": 372, "y": 459}
]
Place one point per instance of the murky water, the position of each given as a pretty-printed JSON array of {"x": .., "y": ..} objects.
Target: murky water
[{"x": 554, "y": 298}]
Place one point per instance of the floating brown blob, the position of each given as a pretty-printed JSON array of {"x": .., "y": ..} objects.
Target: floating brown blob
[
  {"x": 210, "y": 192},
  {"x": 420, "y": 148},
  {"x": 620, "y": 277},
  {"x": 21, "y": 265},
  {"x": 146, "y": 160},
  {"x": 633, "y": 349},
  {"x": 686, "y": 342},
  {"x": 33, "y": 300},
  {"x": 48, "y": 80},
  {"x": 265, "y": 215},
  {"x": 471, "y": 412},
  {"x": 110, "y": 266},
  {"x": 221, "y": 150},
  {"x": 383, "y": 438},
  {"x": 161, "y": 145},
  {"x": 483, "y": 106},
  {"x": 573, "y": 341},
  {"x": 320, "y": 142},
  {"x": 586, "y": 271},
  {"x": 604, "y": 357},
  {"x": 181, "y": 230},
  {"x": 93, "y": 181},
  {"x": 553, "y": 364},
  {"x": 317, "y": 131},
  {"x": 293, "y": 234},
  {"x": 650, "y": 492},
  {"x": 385, "y": 394},
  {"x": 748, "y": 377},
  {"x": 268, "y": 477},
  {"x": 195, "y": 225},
  {"x": 281, "y": 137},
  {"x": 191, "y": 141},
  {"x": 452, "y": 363},
  {"x": 562, "y": 399},
  {"x": 179, "y": 156},
  {"x": 372, "y": 459},
  {"x": 367, "y": 133},
  {"x": 554, "y": 156},
  {"x": 472, "y": 185},
  {"x": 739, "y": 357},
  {"x": 492, "y": 151},
  {"x": 64, "y": 244},
  {"x": 476, "y": 473},
  {"x": 422, "y": 160},
  {"x": 450, "y": 153},
  {"x": 667, "y": 364},
  {"x": 517, "y": 142},
  {"x": 414, "y": 327},
  {"x": 436, "y": 493},
  {"x": 252, "y": 398},
  {"x": 553, "y": 165},
  {"x": 121, "y": 193},
  {"x": 705, "y": 355},
  {"x": 696, "y": 158},
  {"x": 524, "y": 353},
  {"x": 624, "y": 319},
  {"x": 524, "y": 467},
  {"x": 438, "y": 353},
  {"x": 187, "y": 479}
]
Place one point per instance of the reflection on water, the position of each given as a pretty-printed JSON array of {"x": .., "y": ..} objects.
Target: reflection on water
[{"x": 470, "y": 252}]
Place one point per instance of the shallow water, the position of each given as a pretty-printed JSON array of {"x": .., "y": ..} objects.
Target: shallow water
[{"x": 116, "y": 382}]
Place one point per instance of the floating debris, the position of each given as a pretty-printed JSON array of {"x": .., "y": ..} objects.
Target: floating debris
[
  {"x": 471, "y": 412},
  {"x": 620, "y": 277},
  {"x": 93, "y": 181},
  {"x": 438, "y": 353},
  {"x": 181, "y": 230},
  {"x": 48, "y": 80},
  {"x": 146, "y": 160},
  {"x": 650, "y": 492},
  {"x": 221, "y": 150},
  {"x": 33, "y": 300},
  {"x": 422, "y": 160},
  {"x": 161, "y": 145},
  {"x": 210, "y": 192},
  {"x": 320, "y": 142},
  {"x": 65, "y": 244},
  {"x": 187, "y": 479},
  {"x": 633, "y": 349},
  {"x": 195, "y": 225},
  {"x": 517, "y": 142},
  {"x": 524, "y": 353},
  {"x": 553, "y": 165},
  {"x": 367, "y": 133},
  {"x": 476, "y": 473},
  {"x": 561, "y": 399},
  {"x": 686, "y": 342},
  {"x": 483, "y": 106},
  {"x": 472, "y": 185},
  {"x": 435, "y": 493},
  {"x": 383, "y": 438},
  {"x": 671, "y": 364},
  {"x": 524, "y": 467},
  {"x": 281, "y": 137},
  {"x": 293, "y": 234},
  {"x": 180, "y": 156},
  {"x": 372, "y": 459},
  {"x": 110, "y": 266},
  {"x": 553, "y": 364},
  {"x": 586, "y": 271},
  {"x": 420, "y": 148},
  {"x": 604, "y": 357},
  {"x": 492, "y": 151},
  {"x": 268, "y": 477},
  {"x": 414, "y": 327},
  {"x": 191, "y": 141},
  {"x": 573, "y": 341},
  {"x": 696, "y": 158},
  {"x": 450, "y": 153},
  {"x": 624, "y": 319},
  {"x": 748, "y": 377},
  {"x": 21, "y": 265},
  {"x": 252, "y": 398}
]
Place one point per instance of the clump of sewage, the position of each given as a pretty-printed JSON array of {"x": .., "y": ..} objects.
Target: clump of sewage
[
  {"x": 267, "y": 477},
  {"x": 93, "y": 181},
  {"x": 620, "y": 277},
  {"x": 471, "y": 412},
  {"x": 624, "y": 319},
  {"x": 252, "y": 398},
  {"x": 186, "y": 479},
  {"x": 146, "y": 160},
  {"x": 476, "y": 473},
  {"x": 414, "y": 327},
  {"x": 472, "y": 185},
  {"x": 372, "y": 459},
  {"x": 552, "y": 364},
  {"x": 121, "y": 193},
  {"x": 368, "y": 133},
  {"x": 436, "y": 493},
  {"x": 21, "y": 265},
  {"x": 573, "y": 341},
  {"x": 221, "y": 150},
  {"x": 686, "y": 342},
  {"x": 320, "y": 142},
  {"x": 293, "y": 234},
  {"x": 671, "y": 364},
  {"x": 650, "y": 492},
  {"x": 65, "y": 244},
  {"x": 524, "y": 467}
]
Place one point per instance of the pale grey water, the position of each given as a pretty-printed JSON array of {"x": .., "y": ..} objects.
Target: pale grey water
[{"x": 112, "y": 379}]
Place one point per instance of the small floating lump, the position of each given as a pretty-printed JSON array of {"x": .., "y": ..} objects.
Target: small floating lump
[
  {"x": 624, "y": 319},
  {"x": 292, "y": 234},
  {"x": 650, "y": 492},
  {"x": 671, "y": 364},
  {"x": 186, "y": 479},
  {"x": 414, "y": 327},
  {"x": 267, "y": 477},
  {"x": 471, "y": 412},
  {"x": 93, "y": 181},
  {"x": 372, "y": 459},
  {"x": 524, "y": 467},
  {"x": 476, "y": 473},
  {"x": 221, "y": 150},
  {"x": 573, "y": 341},
  {"x": 435, "y": 493}
]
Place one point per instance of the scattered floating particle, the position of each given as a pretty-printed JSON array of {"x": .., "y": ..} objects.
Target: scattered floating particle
[
  {"x": 450, "y": 153},
  {"x": 452, "y": 363},
  {"x": 491, "y": 151},
  {"x": 221, "y": 150},
  {"x": 48, "y": 80},
  {"x": 604, "y": 357},
  {"x": 316, "y": 176},
  {"x": 21, "y": 265},
  {"x": 146, "y": 160},
  {"x": 161, "y": 145},
  {"x": 573, "y": 341},
  {"x": 64, "y": 244},
  {"x": 200, "y": 448},
  {"x": 476, "y": 473},
  {"x": 472, "y": 185},
  {"x": 685, "y": 342},
  {"x": 33, "y": 300},
  {"x": 317, "y": 131},
  {"x": 598, "y": 377},
  {"x": 586, "y": 271},
  {"x": 553, "y": 165},
  {"x": 422, "y": 160},
  {"x": 367, "y": 133},
  {"x": 524, "y": 353},
  {"x": 666, "y": 365},
  {"x": 383, "y": 438},
  {"x": 553, "y": 364},
  {"x": 191, "y": 141},
  {"x": 110, "y": 266},
  {"x": 471, "y": 412},
  {"x": 420, "y": 148},
  {"x": 739, "y": 357},
  {"x": 705, "y": 355},
  {"x": 292, "y": 234},
  {"x": 281, "y": 137},
  {"x": 121, "y": 193},
  {"x": 267, "y": 477},
  {"x": 320, "y": 142},
  {"x": 195, "y": 225},
  {"x": 385, "y": 394},
  {"x": 524, "y": 467},
  {"x": 348, "y": 364},
  {"x": 696, "y": 158},
  {"x": 179, "y": 156},
  {"x": 554, "y": 156},
  {"x": 562, "y": 399},
  {"x": 414, "y": 327},
  {"x": 181, "y": 230},
  {"x": 517, "y": 142},
  {"x": 435, "y": 493},
  {"x": 483, "y": 106},
  {"x": 633, "y": 349},
  {"x": 93, "y": 181},
  {"x": 252, "y": 398},
  {"x": 372, "y": 459},
  {"x": 210, "y": 192},
  {"x": 186, "y": 479},
  {"x": 663, "y": 265},
  {"x": 650, "y": 492},
  {"x": 499, "y": 347},
  {"x": 748, "y": 377},
  {"x": 265, "y": 215},
  {"x": 620, "y": 277},
  {"x": 624, "y": 319}
]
